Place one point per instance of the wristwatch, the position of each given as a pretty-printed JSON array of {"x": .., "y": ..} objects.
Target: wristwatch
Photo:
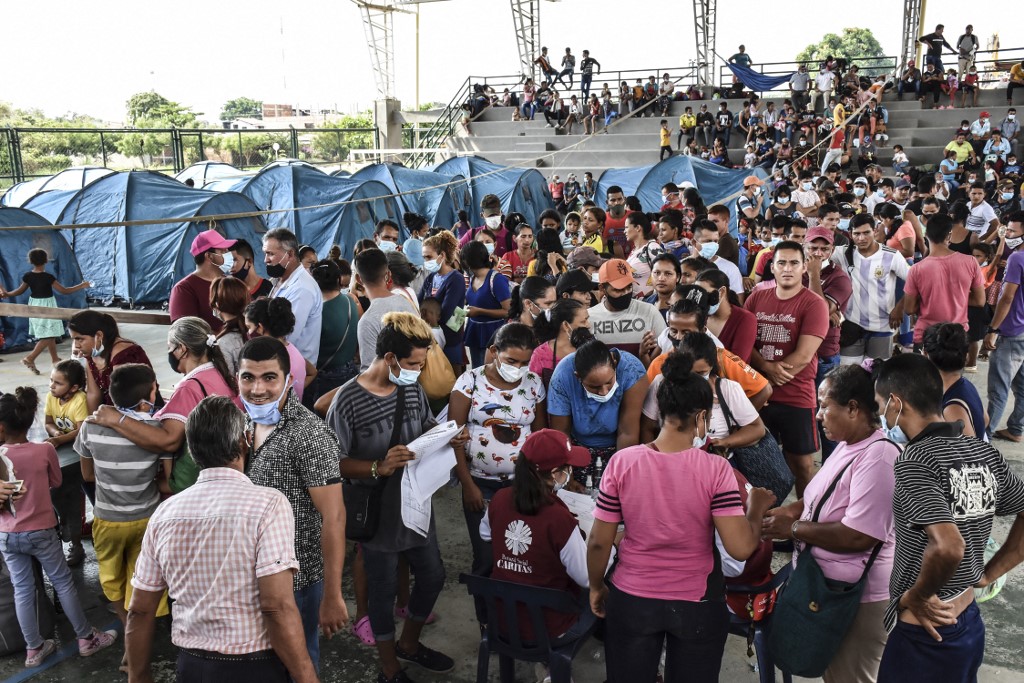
[
  {"x": 993, "y": 330},
  {"x": 792, "y": 530},
  {"x": 373, "y": 469}
]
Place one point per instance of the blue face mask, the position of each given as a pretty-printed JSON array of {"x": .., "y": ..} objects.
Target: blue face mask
[
  {"x": 490, "y": 247},
  {"x": 894, "y": 433},
  {"x": 432, "y": 266},
  {"x": 880, "y": 193},
  {"x": 859, "y": 191},
  {"x": 1007, "y": 196},
  {"x": 267, "y": 413},
  {"x": 387, "y": 246},
  {"x": 714, "y": 309},
  {"x": 405, "y": 377},
  {"x": 709, "y": 249},
  {"x": 607, "y": 397}
]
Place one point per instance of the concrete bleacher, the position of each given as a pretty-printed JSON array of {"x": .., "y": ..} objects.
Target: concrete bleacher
[{"x": 922, "y": 131}]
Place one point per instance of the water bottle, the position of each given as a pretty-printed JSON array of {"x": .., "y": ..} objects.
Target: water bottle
[
  {"x": 590, "y": 486},
  {"x": 598, "y": 470}
]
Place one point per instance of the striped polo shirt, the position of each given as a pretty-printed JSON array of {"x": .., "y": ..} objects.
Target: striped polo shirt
[
  {"x": 874, "y": 286},
  {"x": 126, "y": 488}
]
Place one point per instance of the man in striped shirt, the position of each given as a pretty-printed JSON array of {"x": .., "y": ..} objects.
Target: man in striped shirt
[
  {"x": 874, "y": 270},
  {"x": 225, "y": 550},
  {"x": 948, "y": 490}
]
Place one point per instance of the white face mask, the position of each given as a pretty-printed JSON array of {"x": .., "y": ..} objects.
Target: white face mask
[
  {"x": 493, "y": 222},
  {"x": 229, "y": 262},
  {"x": 511, "y": 373},
  {"x": 699, "y": 441},
  {"x": 607, "y": 397},
  {"x": 559, "y": 485}
]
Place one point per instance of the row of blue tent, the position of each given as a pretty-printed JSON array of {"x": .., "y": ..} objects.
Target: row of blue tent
[{"x": 139, "y": 264}]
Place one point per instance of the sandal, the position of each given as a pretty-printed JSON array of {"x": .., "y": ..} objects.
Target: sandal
[
  {"x": 364, "y": 632},
  {"x": 30, "y": 365},
  {"x": 403, "y": 613}
]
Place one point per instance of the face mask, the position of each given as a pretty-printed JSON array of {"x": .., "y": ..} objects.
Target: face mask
[
  {"x": 858, "y": 191},
  {"x": 561, "y": 485},
  {"x": 895, "y": 433},
  {"x": 229, "y": 262},
  {"x": 806, "y": 186},
  {"x": 387, "y": 246},
  {"x": 1011, "y": 117},
  {"x": 493, "y": 222},
  {"x": 511, "y": 373},
  {"x": 97, "y": 349},
  {"x": 1014, "y": 242},
  {"x": 131, "y": 411},
  {"x": 490, "y": 247},
  {"x": 277, "y": 270},
  {"x": 405, "y": 377},
  {"x": 617, "y": 210},
  {"x": 708, "y": 250},
  {"x": 699, "y": 441},
  {"x": 242, "y": 272},
  {"x": 432, "y": 266},
  {"x": 803, "y": 143},
  {"x": 172, "y": 361},
  {"x": 1007, "y": 196},
  {"x": 774, "y": 241},
  {"x": 619, "y": 303},
  {"x": 607, "y": 397},
  {"x": 880, "y": 193},
  {"x": 844, "y": 223},
  {"x": 267, "y": 413},
  {"x": 783, "y": 198},
  {"x": 971, "y": 180},
  {"x": 216, "y": 314},
  {"x": 757, "y": 191}
]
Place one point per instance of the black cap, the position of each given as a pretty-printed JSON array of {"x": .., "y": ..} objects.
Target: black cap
[
  {"x": 886, "y": 182},
  {"x": 697, "y": 295},
  {"x": 574, "y": 281},
  {"x": 847, "y": 209}
]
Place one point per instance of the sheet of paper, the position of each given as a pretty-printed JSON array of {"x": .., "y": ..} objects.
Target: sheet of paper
[
  {"x": 426, "y": 474},
  {"x": 415, "y": 515},
  {"x": 582, "y": 506},
  {"x": 432, "y": 440}
]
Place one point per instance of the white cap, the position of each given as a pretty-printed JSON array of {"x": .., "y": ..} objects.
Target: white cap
[{"x": 862, "y": 179}]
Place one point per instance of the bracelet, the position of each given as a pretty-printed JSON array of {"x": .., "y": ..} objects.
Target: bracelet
[
  {"x": 993, "y": 330},
  {"x": 122, "y": 419},
  {"x": 792, "y": 530},
  {"x": 373, "y": 469}
]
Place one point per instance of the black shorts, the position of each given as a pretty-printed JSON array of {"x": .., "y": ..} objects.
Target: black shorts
[{"x": 794, "y": 428}]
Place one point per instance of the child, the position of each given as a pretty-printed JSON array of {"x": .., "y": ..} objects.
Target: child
[
  {"x": 430, "y": 311},
  {"x": 127, "y": 492},
  {"x": 42, "y": 284},
  {"x": 900, "y": 162},
  {"x": 991, "y": 176},
  {"x": 666, "y": 140},
  {"x": 1012, "y": 168},
  {"x": 749, "y": 159},
  {"x": 951, "y": 85},
  {"x": 572, "y": 230},
  {"x": 66, "y": 410},
  {"x": 31, "y": 534},
  {"x": 969, "y": 85}
]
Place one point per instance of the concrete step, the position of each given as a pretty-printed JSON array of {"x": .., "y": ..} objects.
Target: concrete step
[{"x": 537, "y": 147}]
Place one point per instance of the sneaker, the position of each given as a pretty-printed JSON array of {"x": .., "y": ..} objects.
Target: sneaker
[
  {"x": 972, "y": 369},
  {"x": 399, "y": 677},
  {"x": 550, "y": 125},
  {"x": 35, "y": 657},
  {"x": 431, "y": 660},
  {"x": 76, "y": 555},
  {"x": 99, "y": 640}
]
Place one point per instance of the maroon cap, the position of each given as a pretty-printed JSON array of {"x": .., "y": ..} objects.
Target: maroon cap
[
  {"x": 210, "y": 239},
  {"x": 820, "y": 233},
  {"x": 550, "y": 449}
]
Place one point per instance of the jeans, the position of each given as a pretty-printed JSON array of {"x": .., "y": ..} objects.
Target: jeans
[
  {"x": 913, "y": 655},
  {"x": 832, "y": 155},
  {"x": 724, "y": 133},
  {"x": 18, "y": 548},
  {"x": 328, "y": 380},
  {"x": 636, "y": 629},
  {"x": 585, "y": 80},
  {"x": 482, "y": 558},
  {"x": 936, "y": 61},
  {"x": 381, "y": 570},
  {"x": 308, "y": 601},
  {"x": 914, "y": 85},
  {"x": 193, "y": 666},
  {"x": 565, "y": 72},
  {"x": 1005, "y": 373}
]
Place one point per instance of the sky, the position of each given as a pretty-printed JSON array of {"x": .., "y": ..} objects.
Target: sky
[{"x": 314, "y": 53}]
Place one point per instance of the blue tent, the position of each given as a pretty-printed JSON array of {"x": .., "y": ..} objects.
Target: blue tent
[
  {"x": 139, "y": 264},
  {"x": 69, "y": 179},
  {"x": 330, "y": 218},
  {"x": 521, "y": 190},
  {"x": 714, "y": 182},
  {"x": 429, "y": 194},
  {"x": 341, "y": 173},
  {"x": 203, "y": 172},
  {"x": 14, "y": 264}
]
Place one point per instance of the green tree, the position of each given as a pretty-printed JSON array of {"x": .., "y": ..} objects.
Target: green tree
[
  {"x": 336, "y": 146},
  {"x": 151, "y": 110},
  {"x": 242, "y": 107},
  {"x": 854, "y": 45}
]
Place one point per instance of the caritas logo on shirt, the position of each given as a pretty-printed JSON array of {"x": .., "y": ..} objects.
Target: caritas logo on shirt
[
  {"x": 518, "y": 538},
  {"x": 771, "y": 330}
]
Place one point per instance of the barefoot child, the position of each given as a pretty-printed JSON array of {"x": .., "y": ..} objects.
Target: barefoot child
[
  {"x": 31, "y": 533},
  {"x": 66, "y": 410},
  {"x": 41, "y": 285}
]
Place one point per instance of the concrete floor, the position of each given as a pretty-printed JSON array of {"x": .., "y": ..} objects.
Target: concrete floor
[{"x": 346, "y": 660}]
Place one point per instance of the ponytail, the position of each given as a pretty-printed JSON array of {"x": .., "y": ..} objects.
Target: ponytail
[
  {"x": 529, "y": 491},
  {"x": 18, "y": 410}
]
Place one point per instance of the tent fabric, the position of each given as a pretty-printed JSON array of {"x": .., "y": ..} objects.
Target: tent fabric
[
  {"x": 140, "y": 264},
  {"x": 287, "y": 186},
  {"x": 521, "y": 190},
  {"x": 715, "y": 183},
  {"x": 341, "y": 173},
  {"x": 757, "y": 81},
  {"x": 69, "y": 179},
  {"x": 203, "y": 172},
  {"x": 14, "y": 264},
  {"x": 424, "y": 192}
]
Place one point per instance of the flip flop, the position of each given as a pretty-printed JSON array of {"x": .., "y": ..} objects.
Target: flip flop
[
  {"x": 364, "y": 632},
  {"x": 30, "y": 365},
  {"x": 1004, "y": 435},
  {"x": 403, "y": 613}
]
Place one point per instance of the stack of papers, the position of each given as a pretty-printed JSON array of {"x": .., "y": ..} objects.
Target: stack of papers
[
  {"x": 582, "y": 506},
  {"x": 426, "y": 474}
]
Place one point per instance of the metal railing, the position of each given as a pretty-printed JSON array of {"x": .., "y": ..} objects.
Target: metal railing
[
  {"x": 869, "y": 67},
  {"x": 27, "y": 153}
]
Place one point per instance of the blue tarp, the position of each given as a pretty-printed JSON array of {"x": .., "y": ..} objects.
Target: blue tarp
[
  {"x": 203, "y": 172},
  {"x": 714, "y": 182},
  {"x": 14, "y": 264},
  {"x": 757, "y": 81},
  {"x": 439, "y": 204},
  {"x": 521, "y": 190},
  {"x": 69, "y": 179},
  {"x": 140, "y": 264},
  {"x": 286, "y": 186}
]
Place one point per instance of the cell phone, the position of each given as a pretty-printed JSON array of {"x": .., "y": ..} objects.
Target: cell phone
[{"x": 18, "y": 483}]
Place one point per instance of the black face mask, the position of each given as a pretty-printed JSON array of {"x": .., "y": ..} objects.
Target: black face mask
[
  {"x": 174, "y": 362},
  {"x": 276, "y": 270},
  {"x": 619, "y": 303},
  {"x": 243, "y": 272}
]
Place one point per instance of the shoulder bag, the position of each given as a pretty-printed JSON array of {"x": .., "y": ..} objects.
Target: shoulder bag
[
  {"x": 813, "y": 613},
  {"x": 763, "y": 464},
  {"x": 363, "y": 501}
]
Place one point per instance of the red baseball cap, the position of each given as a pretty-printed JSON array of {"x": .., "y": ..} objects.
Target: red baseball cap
[
  {"x": 820, "y": 233},
  {"x": 550, "y": 449},
  {"x": 210, "y": 239}
]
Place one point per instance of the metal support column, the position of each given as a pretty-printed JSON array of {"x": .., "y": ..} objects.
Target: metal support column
[
  {"x": 704, "y": 14},
  {"x": 913, "y": 15},
  {"x": 380, "y": 38},
  {"x": 526, "y": 19}
]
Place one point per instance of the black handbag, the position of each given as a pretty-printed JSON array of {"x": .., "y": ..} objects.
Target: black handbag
[
  {"x": 812, "y": 612},
  {"x": 763, "y": 464},
  {"x": 363, "y": 501}
]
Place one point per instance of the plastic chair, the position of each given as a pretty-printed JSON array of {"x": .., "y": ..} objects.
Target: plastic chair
[
  {"x": 503, "y": 634},
  {"x": 741, "y": 626}
]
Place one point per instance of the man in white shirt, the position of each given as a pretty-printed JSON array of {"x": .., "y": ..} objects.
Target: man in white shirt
[
  {"x": 706, "y": 242},
  {"x": 293, "y": 282},
  {"x": 982, "y": 220},
  {"x": 823, "y": 85},
  {"x": 620, "y": 320},
  {"x": 799, "y": 83}
]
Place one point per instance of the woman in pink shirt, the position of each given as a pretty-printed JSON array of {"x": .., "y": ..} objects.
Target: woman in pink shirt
[
  {"x": 898, "y": 234},
  {"x": 855, "y": 519},
  {"x": 672, "y": 496},
  {"x": 556, "y": 332},
  {"x": 27, "y": 530},
  {"x": 274, "y": 318}
]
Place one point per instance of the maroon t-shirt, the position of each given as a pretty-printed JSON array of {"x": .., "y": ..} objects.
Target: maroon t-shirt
[
  {"x": 191, "y": 296},
  {"x": 526, "y": 549},
  {"x": 739, "y": 333},
  {"x": 838, "y": 287},
  {"x": 780, "y": 324}
]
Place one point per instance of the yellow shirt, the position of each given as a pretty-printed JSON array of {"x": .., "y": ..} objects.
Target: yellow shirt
[
  {"x": 67, "y": 415},
  {"x": 1016, "y": 73},
  {"x": 687, "y": 121},
  {"x": 962, "y": 151},
  {"x": 596, "y": 242},
  {"x": 666, "y": 137}
]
